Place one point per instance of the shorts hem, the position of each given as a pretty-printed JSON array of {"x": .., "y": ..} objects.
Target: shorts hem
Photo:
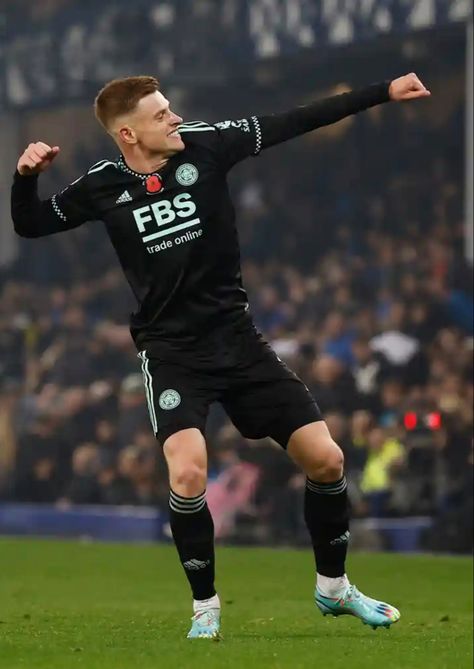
[{"x": 162, "y": 434}]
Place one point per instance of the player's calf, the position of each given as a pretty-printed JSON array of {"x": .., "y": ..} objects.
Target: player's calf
[
  {"x": 326, "y": 506},
  {"x": 192, "y": 526}
]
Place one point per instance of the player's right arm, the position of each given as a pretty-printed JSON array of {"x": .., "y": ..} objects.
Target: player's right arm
[{"x": 33, "y": 217}]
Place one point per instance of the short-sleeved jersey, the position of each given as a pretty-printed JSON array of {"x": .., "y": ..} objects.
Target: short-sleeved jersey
[{"x": 174, "y": 231}]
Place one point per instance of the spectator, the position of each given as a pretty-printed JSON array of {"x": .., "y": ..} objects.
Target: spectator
[
  {"x": 391, "y": 402},
  {"x": 369, "y": 370},
  {"x": 338, "y": 337},
  {"x": 132, "y": 409},
  {"x": 385, "y": 457},
  {"x": 362, "y": 422},
  {"x": 333, "y": 385},
  {"x": 83, "y": 487}
]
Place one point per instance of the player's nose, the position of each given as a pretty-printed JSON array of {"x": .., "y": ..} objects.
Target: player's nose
[{"x": 176, "y": 120}]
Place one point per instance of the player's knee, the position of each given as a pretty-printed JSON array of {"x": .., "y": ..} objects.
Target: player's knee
[
  {"x": 185, "y": 454},
  {"x": 188, "y": 479},
  {"x": 330, "y": 467}
]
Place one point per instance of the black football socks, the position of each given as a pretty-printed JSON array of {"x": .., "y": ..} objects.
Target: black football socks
[
  {"x": 193, "y": 533},
  {"x": 326, "y": 512}
]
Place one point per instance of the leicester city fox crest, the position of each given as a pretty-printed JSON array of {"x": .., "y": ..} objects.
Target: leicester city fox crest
[
  {"x": 187, "y": 174},
  {"x": 169, "y": 399}
]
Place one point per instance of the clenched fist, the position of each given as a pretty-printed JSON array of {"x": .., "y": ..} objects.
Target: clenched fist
[
  {"x": 408, "y": 87},
  {"x": 36, "y": 158}
]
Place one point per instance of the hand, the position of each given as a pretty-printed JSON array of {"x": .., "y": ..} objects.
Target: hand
[
  {"x": 36, "y": 158},
  {"x": 408, "y": 87}
]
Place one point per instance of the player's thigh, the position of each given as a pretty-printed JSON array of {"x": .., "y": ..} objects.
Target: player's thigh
[
  {"x": 177, "y": 398},
  {"x": 270, "y": 400}
]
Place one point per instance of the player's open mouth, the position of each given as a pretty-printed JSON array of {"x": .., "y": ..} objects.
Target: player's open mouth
[{"x": 175, "y": 133}]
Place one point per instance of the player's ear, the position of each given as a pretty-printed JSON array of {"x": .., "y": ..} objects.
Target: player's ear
[{"x": 127, "y": 134}]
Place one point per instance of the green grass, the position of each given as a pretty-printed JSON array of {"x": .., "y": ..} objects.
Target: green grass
[{"x": 65, "y": 605}]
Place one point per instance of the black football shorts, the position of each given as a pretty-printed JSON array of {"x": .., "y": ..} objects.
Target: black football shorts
[{"x": 260, "y": 394}]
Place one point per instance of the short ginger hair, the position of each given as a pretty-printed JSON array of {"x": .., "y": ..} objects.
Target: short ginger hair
[{"x": 121, "y": 96}]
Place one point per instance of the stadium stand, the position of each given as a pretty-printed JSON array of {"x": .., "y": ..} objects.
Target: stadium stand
[{"x": 352, "y": 243}]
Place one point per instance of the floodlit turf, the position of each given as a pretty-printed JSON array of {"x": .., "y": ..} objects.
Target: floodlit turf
[{"x": 68, "y": 605}]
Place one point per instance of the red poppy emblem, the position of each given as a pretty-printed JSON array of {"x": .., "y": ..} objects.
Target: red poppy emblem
[{"x": 153, "y": 184}]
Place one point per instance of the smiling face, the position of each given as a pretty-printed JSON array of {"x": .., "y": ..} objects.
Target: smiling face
[{"x": 152, "y": 125}]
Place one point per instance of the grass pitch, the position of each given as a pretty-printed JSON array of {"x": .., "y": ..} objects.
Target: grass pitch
[{"x": 70, "y": 605}]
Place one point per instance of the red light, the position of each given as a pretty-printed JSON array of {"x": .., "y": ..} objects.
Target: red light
[
  {"x": 433, "y": 420},
  {"x": 410, "y": 420}
]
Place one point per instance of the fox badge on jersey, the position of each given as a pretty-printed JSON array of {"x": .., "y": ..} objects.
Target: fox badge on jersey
[{"x": 187, "y": 174}]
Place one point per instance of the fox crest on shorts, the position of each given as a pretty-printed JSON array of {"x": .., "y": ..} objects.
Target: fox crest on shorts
[{"x": 169, "y": 399}]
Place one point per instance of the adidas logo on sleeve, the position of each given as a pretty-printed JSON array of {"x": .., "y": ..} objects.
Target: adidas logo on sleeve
[{"x": 125, "y": 197}]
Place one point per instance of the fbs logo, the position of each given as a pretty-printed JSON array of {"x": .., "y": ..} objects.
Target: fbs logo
[
  {"x": 164, "y": 212},
  {"x": 153, "y": 184}
]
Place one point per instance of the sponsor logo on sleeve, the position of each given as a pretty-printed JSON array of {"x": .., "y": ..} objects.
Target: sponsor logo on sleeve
[{"x": 242, "y": 124}]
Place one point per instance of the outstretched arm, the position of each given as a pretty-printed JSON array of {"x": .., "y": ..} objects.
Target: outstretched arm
[
  {"x": 246, "y": 137},
  {"x": 281, "y": 127},
  {"x": 33, "y": 217}
]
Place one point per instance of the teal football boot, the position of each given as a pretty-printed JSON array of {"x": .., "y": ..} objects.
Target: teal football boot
[
  {"x": 354, "y": 603},
  {"x": 206, "y": 625}
]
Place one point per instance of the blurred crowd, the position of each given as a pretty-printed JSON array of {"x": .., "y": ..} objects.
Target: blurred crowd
[{"x": 352, "y": 245}]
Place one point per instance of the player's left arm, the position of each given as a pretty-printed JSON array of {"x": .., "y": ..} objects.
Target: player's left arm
[{"x": 240, "y": 139}]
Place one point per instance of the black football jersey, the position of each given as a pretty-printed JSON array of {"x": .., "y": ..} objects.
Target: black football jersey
[{"x": 174, "y": 230}]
